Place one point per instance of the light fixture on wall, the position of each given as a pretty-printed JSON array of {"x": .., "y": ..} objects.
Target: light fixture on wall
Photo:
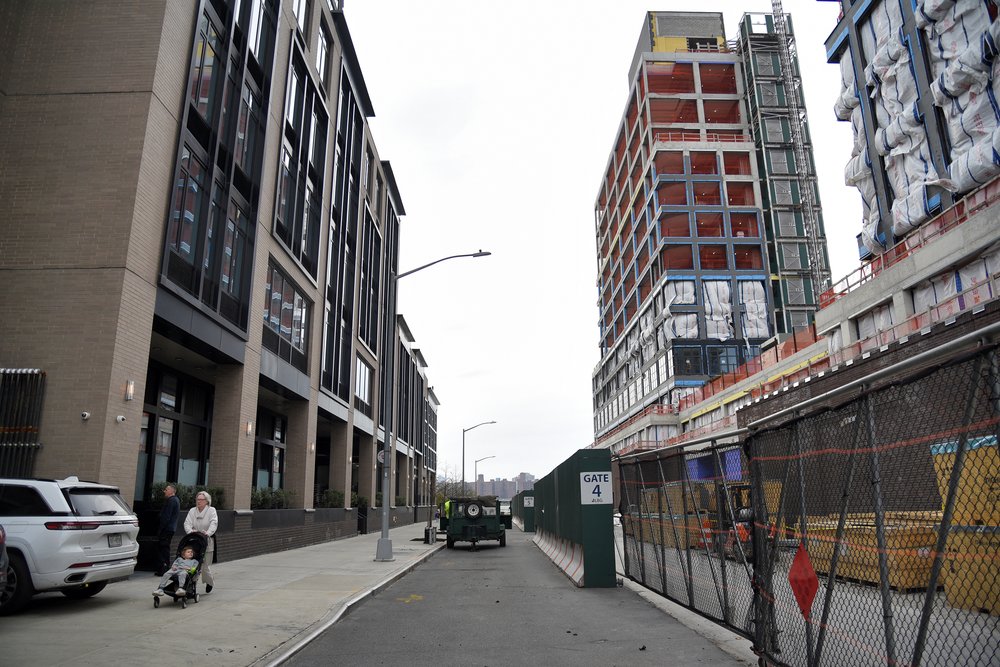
[
  {"x": 249, "y": 427},
  {"x": 129, "y": 390},
  {"x": 312, "y": 447}
]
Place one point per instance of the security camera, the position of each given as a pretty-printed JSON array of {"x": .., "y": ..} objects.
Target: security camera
[
  {"x": 120, "y": 419},
  {"x": 84, "y": 416}
]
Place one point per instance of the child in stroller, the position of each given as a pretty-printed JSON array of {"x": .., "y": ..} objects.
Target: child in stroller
[{"x": 181, "y": 580}]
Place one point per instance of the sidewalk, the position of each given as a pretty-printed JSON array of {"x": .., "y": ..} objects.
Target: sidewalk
[{"x": 260, "y": 609}]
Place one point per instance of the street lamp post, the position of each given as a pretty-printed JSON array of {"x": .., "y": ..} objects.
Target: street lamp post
[
  {"x": 475, "y": 470},
  {"x": 383, "y": 550},
  {"x": 464, "y": 431}
]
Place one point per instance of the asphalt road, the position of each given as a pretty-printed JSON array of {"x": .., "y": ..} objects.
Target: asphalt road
[{"x": 505, "y": 606}]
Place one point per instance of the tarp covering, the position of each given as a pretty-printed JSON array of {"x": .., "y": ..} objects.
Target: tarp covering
[
  {"x": 753, "y": 296},
  {"x": 718, "y": 309}
]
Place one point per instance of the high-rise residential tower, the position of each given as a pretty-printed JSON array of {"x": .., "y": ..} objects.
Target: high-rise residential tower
[{"x": 709, "y": 235}]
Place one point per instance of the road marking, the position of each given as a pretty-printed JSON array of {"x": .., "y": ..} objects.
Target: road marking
[{"x": 412, "y": 598}]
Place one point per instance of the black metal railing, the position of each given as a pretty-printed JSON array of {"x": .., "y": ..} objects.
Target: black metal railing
[{"x": 21, "y": 394}]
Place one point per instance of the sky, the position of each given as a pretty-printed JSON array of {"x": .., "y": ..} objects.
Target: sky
[{"x": 498, "y": 120}]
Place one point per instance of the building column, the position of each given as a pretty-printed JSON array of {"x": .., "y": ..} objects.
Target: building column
[
  {"x": 367, "y": 484},
  {"x": 231, "y": 456},
  {"x": 340, "y": 460},
  {"x": 300, "y": 453}
]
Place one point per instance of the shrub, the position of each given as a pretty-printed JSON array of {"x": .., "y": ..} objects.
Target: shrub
[
  {"x": 400, "y": 501},
  {"x": 360, "y": 502},
  {"x": 330, "y": 498},
  {"x": 265, "y": 498}
]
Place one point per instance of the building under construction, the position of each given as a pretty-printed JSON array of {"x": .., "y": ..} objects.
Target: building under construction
[{"x": 709, "y": 234}]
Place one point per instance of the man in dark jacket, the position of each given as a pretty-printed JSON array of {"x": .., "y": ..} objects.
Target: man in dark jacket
[{"x": 168, "y": 523}]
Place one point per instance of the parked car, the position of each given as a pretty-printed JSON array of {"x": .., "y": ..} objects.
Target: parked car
[
  {"x": 64, "y": 535},
  {"x": 3, "y": 560}
]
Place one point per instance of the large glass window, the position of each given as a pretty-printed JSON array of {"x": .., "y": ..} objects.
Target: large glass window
[
  {"x": 286, "y": 319},
  {"x": 269, "y": 450},
  {"x": 722, "y": 359},
  {"x": 322, "y": 54},
  {"x": 363, "y": 388},
  {"x": 687, "y": 361},
  {"x": 248, "y": 132},
  {"x": 204, "y": 82},
  {"x": 183, "y": 228}
]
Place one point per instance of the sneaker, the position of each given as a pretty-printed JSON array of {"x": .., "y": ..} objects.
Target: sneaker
[
  {"x": 181, "y": 591},
  {"x": 208, "y": 588},
  {"x": 158, "y": 592}
]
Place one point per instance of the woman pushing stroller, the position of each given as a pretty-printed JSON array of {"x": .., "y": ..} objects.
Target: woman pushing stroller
[{"x": 203, "y": 519}]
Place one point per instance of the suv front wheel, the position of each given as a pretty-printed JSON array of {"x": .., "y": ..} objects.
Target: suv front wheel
[
  {"x": 84, "y": 591},
  {"x": 18, "y": 590}
]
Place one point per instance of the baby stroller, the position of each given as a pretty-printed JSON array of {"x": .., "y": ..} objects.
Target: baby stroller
[{"x": 199, "y": 543}]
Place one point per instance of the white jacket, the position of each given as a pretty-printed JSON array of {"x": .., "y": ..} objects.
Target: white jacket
[{"x": 206, "y": 521}]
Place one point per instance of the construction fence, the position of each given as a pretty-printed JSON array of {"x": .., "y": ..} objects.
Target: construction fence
[{"x": 857, "y": 530}]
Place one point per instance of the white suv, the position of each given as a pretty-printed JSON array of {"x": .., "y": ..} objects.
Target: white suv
[{"x": 65, "y": 535}]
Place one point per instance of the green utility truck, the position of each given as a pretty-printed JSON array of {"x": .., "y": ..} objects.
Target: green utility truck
[{"x": 473, "y": 519}]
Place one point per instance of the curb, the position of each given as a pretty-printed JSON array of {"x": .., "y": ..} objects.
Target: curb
[{"x": 282, "y": 653}]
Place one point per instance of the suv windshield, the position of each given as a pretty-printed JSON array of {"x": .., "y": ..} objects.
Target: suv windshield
[{"x": 97, "y": 502}]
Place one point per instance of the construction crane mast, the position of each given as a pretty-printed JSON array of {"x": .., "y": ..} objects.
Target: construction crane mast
[{"x": 806, "y": 179}]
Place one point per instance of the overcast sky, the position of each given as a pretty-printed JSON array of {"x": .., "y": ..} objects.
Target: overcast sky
[{"x": 498, "y": 120}]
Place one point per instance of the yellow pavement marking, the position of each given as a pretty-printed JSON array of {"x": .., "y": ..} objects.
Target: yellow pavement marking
[{"x": 412, "y": 598}]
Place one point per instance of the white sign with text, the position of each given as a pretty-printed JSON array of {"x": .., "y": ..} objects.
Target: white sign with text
[{"x": 595, "y": 488}]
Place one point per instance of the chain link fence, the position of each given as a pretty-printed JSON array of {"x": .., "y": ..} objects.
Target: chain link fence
[{"x": 863, "y": 532}]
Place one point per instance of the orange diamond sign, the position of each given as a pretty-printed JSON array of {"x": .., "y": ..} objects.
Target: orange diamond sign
[{"x": 802, "y": 578}]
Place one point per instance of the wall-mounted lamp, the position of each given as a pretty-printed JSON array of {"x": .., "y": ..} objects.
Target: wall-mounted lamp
[
  {"x": 130, "y": 390},
  {"x": 250, "y": 427},
  {"x": 312, "y": 447}
]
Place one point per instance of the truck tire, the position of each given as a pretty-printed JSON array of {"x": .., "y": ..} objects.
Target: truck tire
[
  {"x": 450, "y": 543},
  {"x": 19, "y": 588},
  {"x": 474, "y": 510}
]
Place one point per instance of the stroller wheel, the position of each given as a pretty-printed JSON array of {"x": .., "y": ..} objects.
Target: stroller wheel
[
  {"x": 156, "y": 603},
  {"x": 184, "y": 603},
  {"x": 196, "y": 598}
]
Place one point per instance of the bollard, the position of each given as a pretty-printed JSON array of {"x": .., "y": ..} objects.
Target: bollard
[{"x": 430, "y": 535}]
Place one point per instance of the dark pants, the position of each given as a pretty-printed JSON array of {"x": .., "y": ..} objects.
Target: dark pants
[{"x": 163, "y": 552}]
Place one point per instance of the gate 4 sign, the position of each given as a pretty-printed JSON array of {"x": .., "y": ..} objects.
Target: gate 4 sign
[{"x": 595, "y": 488}]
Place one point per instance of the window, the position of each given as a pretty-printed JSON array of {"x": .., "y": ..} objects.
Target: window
[
  {"x": 704, "y": 163},
  {"x": 184, "y": 226},
  {"x": 671, "y": 193},
  {"x": 322, "y": 55},
  {"x": 677, "y": 256},
  {"x": 798, "y": 319},
  {"x": 300, "y": 8},
  {"x": 663, "y": 111},
  {"x": 725, "y": 112},
  {"x": 269, "y": 450},
  {"x": 718, "y": 78},
  {"x": 736, "y": 164},
  {"x": 744, "y": 225},
  {"x": 687, "y": 361},
  {"x": 709, "y": 224},
  {"x": 669, "y": 162},
  {"x": 363, "y": 388},
  {"x": 748, "y": 257},
  {"x": 739, "y": 194},
  {"x": 286, "y": 319},
  {"x": 713, "y": 257},
  {"x": 248, "y": 132},
  {"x": 707, "y": 193},
  {"x": 722, "y": 359},
  {"x": 675, "y": 224},
  {"x": 204, "y": 82},
  {"x": 668, "y": 78}
]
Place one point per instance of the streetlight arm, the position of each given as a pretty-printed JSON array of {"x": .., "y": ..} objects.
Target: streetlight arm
[
  {"x": 480, "y": 253},
  {"x": 466, "y": 430}
]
